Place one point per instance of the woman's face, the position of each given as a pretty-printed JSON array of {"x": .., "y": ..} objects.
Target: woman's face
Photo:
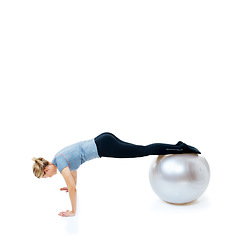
[{"x": 49, "y": 171}]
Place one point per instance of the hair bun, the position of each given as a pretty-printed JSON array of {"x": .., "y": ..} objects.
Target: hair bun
[
  {"x": 38, "y": 161},
  {"x": 39, "y": 166}
]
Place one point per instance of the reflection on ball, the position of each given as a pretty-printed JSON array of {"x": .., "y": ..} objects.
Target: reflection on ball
[{"x": 179, "y": 178}]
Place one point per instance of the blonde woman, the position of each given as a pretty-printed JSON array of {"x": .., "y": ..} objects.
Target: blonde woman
[{"x": 68, "y": 160}]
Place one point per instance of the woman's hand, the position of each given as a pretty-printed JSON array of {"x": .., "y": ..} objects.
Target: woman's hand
[
  {"x": 67, "y": 214},
  {"x": 71, "y": 185},
  {"x": 64, "y": 189}
]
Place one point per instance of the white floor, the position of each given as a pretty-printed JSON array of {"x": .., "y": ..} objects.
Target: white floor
[{"x": 148, "y": 71}]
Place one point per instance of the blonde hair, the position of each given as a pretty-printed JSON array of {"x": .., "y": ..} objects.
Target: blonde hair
[{"x": 39, "y": 166}]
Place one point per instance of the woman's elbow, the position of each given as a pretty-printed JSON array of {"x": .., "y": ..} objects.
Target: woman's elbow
[{"x": 72, "y": 189}]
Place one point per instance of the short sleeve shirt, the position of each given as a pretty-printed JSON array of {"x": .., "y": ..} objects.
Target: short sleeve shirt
[{"x": 76, "y": 154}]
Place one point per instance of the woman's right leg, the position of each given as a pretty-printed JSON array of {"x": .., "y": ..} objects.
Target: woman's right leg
[{"x": 109, "y": 145}]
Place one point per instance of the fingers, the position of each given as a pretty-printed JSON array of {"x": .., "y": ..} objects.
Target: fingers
[
  {"x": 62, "y": 214},
  {"x": 64, "y": 190},
  {"x": 66, "y": 214}
]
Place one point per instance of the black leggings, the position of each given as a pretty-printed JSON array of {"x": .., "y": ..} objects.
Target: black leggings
[{"x": 109, "y": 145}]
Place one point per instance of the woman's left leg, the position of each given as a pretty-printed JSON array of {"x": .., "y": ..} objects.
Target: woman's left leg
[{"x": 109, "y": 145}]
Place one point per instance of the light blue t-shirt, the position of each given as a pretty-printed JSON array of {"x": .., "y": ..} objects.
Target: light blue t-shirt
[{"x": 76, "y": 154}]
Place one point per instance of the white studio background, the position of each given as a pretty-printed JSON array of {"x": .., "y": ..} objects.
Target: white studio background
[{"x": 148, "y": 71}]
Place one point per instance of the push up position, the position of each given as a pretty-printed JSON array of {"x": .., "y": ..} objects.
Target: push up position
[{"x": 68, "y": 160}]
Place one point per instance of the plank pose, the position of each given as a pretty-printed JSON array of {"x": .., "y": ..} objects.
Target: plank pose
[{"x": 68, "y": 160}]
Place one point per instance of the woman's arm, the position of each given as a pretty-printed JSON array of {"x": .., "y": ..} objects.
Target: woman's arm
[
  {"x": 74, "y": 174},
  {"x": 69, "y": 179}
]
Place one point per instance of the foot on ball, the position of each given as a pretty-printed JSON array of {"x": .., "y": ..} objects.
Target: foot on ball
[{"x": 187, "y": 148}]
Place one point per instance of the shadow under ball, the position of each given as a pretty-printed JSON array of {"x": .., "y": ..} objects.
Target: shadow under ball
[{"x": 179, "y": 178}]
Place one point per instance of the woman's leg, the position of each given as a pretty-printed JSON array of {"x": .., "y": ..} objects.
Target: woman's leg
[{"x": 109, "y": 145}]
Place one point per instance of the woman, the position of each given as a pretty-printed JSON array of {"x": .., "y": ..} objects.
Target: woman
[{"x": 68, "y": 160}]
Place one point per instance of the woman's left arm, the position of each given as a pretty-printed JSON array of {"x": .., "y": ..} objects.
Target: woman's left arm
[
  {"x": 74, "y": 174},
  {"x": 72, "y": 192}
]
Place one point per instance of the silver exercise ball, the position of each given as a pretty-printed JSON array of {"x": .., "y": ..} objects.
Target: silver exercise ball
[{"x": 179, "y": 178}]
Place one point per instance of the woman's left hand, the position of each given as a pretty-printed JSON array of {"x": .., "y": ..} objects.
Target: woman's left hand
[{"x": 67, "y": 214}]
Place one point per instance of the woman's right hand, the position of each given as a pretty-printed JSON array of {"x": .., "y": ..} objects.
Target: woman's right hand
[{"x": 64, "y": 189}]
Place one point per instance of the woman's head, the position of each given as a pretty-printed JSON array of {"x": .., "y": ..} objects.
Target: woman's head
[{"x": 43, "y": 169}]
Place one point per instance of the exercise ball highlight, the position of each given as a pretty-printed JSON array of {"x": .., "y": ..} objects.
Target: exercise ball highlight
[{"x": 179, "y": 178}]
